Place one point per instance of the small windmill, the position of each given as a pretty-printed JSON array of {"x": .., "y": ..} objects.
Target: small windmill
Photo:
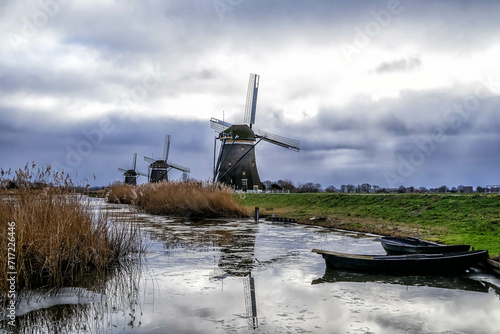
[
  {"x": 236, "y": 165},
  {"x": 158, "y": 169},
  {"x": 131, "y": 175}
]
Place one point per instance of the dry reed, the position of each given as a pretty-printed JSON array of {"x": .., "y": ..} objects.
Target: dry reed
[
  {"x": 121, "y": 193},
  {"x": 174, "y": 198},
  {"x": 58, "y": 235}
]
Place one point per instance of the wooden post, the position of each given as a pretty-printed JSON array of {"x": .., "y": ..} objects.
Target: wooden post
[{"x": 257, "y": 214}]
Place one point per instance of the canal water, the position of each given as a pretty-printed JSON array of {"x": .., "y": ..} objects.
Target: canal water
[{"x": 242, "y": 277}]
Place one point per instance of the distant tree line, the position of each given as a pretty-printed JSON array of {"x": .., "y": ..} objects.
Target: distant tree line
[
  {"x": 288, "y": 185},
  {"x": 311, "y": 187}
]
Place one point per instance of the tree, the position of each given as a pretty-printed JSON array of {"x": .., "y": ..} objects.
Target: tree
[
  {"x": 308, "y": 187},
  {"x": 442, "y": 189},
  {"x": 343, "y": 188},
  {"x": 286, "y": 184},
  {"x": 365, "y": 188},
  {"x": 401, "y": 189},
  {"x": 331, "y": 189},
  {"x": 267, "y": 184}
]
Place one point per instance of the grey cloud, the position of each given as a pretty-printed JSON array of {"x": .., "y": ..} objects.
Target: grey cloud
[
  {"x": 352, "y": 143},
  {"x": 407, "y": 64}
]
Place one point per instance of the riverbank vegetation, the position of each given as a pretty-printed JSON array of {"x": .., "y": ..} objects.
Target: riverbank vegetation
[
  {"x": 51, "y": 235},
  {"x": 192, "y": 199},
  {"x": 447, "y": 218}
]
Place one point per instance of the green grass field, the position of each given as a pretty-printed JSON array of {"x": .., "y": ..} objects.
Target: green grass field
[{"x": 447, "y": 218}]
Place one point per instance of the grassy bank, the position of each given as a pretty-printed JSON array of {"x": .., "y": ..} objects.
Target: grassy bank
[
  {"x": 186, "y": 199},
  {"x": 52, "y": 237},
  {"x": 450, "y": 219}
]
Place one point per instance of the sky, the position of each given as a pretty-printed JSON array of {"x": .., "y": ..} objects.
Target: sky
[{"x": 388, "y": 93}]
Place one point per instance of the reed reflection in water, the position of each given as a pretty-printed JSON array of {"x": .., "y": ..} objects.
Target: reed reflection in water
[{"x": 104, "y": 300}]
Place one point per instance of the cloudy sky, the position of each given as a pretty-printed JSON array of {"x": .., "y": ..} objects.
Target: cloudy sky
[{"x": 385, "y": 92}]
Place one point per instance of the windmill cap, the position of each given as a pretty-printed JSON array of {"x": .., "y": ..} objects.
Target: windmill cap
[{"x": 244, "y": 132}]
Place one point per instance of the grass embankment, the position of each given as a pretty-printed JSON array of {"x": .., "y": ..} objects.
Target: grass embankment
[
  {"x": 51, "y": 237},
  {"x": 450, "y": 219},
  {"x": 186, "y": 199}
]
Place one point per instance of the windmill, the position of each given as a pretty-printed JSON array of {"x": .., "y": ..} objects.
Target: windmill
[
  {"x": 235, "y": 164},
  {"x": 131, "y": 175},
  {"x": 158, "y": 169}
]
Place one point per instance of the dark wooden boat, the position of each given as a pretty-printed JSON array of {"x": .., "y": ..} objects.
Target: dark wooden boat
[
  {"x": 400, "y": 246},
  {"x": 416, "y": 264}
]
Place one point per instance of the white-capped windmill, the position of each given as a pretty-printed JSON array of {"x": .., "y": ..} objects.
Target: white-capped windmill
[
  {"x": 131, "y": 175},
  {"x": 158, "y": 169},
  {"x": 235, "y": 164}
]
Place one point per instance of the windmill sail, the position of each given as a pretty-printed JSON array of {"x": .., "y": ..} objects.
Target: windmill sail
[
  {"x": 148, "y": 159},
  {"x": 291, "y": 144},
  {"x": 179, "y": 167},
  {"x": 219, "y": 125},
  {"x": 134, "y": 161},
  {"x": 251, "y": 105},
  {"x": 166, "y": 147}
]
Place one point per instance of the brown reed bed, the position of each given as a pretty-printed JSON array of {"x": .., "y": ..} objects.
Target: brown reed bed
[
  {"x": 55, "y": 235},
  {"x": 121, "y": 193},
  {"x": 175, "y": 198}
]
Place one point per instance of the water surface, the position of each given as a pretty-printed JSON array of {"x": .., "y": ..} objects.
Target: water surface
[{"x": 242, "y": 277}]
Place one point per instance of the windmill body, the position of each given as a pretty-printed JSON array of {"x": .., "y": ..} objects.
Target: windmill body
[
  {"x": 159, "y": 168},
  {"x": 236, "y": 165},
  {"x": 131, "y": 177}
]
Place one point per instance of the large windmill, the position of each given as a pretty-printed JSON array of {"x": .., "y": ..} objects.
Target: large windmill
[
  {"x": 158, "y": 169},
  {"x": 131, "y": 175},
  {"x": 235, "y": 164}
]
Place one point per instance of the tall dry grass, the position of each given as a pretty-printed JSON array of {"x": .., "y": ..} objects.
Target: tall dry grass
[
  {"x": 58, "y": 235},
  {"x": 121, "y": 193},
  {"x": 188, "y": 199}
]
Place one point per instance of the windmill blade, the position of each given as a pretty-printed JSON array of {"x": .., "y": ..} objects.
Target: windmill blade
[
  {"x": 166, "y": 147},
  {"x": 219, "y": 125},
  {"x": 134, "y": 161},
  {"x": 253, "y": 87},
  {"x": 143, "y": 174},
  {"x": 150, "y": 160},
  {"x": 291, "y": 144},
  {"x": 179, "y": 167},
  {"x": 122, "y": 170}
]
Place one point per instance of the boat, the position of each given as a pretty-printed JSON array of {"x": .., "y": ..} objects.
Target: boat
[
  {"x": 400, "y": 246},
  {"x": 417, "y": 264}
]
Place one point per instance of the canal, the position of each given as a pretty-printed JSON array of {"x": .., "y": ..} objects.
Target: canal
[{"x": 242, "y": 277}]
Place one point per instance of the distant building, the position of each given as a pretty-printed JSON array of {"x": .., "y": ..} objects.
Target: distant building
[
  {"x": 493, "y": 189},
  {"x": 468, "y": 189}
]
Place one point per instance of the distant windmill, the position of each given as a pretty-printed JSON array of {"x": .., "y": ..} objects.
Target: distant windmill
[
  {"x": 158, "y": 169},
  {"x": 131, "y": 175},
  {"x": 236, "y": 165}
]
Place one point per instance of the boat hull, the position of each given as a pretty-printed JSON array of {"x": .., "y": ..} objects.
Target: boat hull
[
  {"x": 427, "y": 264},
  {"x": 401, "y": 246}
]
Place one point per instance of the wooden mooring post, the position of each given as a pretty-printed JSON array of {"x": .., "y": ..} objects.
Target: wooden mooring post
[{"x": 257, "y": 214}]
